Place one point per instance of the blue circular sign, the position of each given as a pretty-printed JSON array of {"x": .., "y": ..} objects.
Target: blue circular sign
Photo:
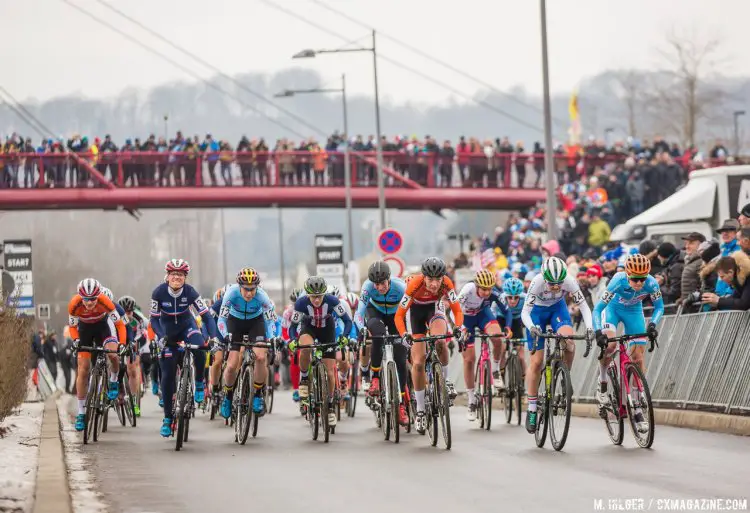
[{"x": 390, "y": 241}]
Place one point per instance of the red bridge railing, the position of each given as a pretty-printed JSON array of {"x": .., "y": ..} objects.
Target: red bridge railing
[{"x": 294, "y": 168}]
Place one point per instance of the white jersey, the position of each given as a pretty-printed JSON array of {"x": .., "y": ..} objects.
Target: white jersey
[
  {"x": 471, "y": 303},
  {"x": 539, "y": 295}
]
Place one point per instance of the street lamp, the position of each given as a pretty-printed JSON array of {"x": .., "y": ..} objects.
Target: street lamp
[
  {"x": 549, "y": 169},
  {"x": 737, "y": 114},
  {"x": 288, "y": 93},
  {"x": 308, "y": 53}
]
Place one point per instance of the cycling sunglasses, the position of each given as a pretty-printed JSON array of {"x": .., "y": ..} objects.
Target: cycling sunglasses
[
  {"x": 89, "y": 299},
  {"x": 249, "y": 289},
  {"x": 315, "y": 296},
  {"x": 637, "y": 279},
  {"x": 512, "y": 298}
]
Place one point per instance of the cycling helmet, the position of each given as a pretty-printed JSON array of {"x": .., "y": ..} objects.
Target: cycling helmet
[
  {"x": 378, "y": 272},
  {"x": 248, "y": 276},
  {"x": 294, "y": 295},
  {"x": 315, "y": 286},
  {"x": 108, "y": 293},
  {"x": 179, "y": 265},
  {"x": 89, "y": 288},
  {"x": 513, "y": 287},
  {"x": 484, "y": 279},
  {"x": 335, "y": 291},
  {"x": 219, "y": 294},
  {"x": 127, "y": 303},
  {"x": 433, "y": 267},
  {"x": 353, "y": 300},
  {"x": 554, "y": 270},
  {"x": 638, "y": 265}
]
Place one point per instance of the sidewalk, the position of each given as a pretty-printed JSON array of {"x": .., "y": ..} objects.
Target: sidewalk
[{"x": 19, "y": 454}]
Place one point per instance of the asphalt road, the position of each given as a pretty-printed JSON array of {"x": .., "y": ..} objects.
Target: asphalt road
[{"x": 284, "y": 470}]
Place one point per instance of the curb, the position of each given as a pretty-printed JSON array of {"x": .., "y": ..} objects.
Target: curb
[
  {"x": 700, "y": 420},
  {"x": 51, "y": 490}
]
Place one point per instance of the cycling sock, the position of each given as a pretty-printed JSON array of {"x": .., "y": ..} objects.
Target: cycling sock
[
  {"x": 495, "y": 366},
  {"x": 216, "y": 389},
  {"x": 602, "y": 374},
  {"x": 364, "y": 369},
  {"x": 113, "y": 377},
  {"x": 470, "y": 393},
  {"x": 419, "y": 395},
  {"x": 303, "y": 375},
  {"x": 228, "y": 392},
  {"x": 81, "y": 406},
  {"x": 532, "y": 403}
]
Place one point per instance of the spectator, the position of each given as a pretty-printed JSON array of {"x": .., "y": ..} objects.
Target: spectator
[
  {"x": 744, "y": 217},
  {"x": 691, "y": 281},
  {"x": 67, "y": 359},
  {"x": 49, "y": 346},
  {"x": 636, "y": 191},
  {"x": 671, "y": 258},
  {"x": 728, "y": 234},
  {"x": 744, "y": 240},
  {"x": 709, "y": 252},
  {"x": 597, "y": 283},
  {"x": 732, "y": 270},
  {"x": 599, "y": 230}
]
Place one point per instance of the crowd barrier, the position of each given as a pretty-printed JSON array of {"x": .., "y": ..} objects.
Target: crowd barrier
[{"x": 702, "y": 363}]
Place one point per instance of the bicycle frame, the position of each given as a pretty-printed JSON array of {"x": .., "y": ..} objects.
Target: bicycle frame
[
  {"x": 624, "y": 360},
  {"x": 553, "y": 354}
]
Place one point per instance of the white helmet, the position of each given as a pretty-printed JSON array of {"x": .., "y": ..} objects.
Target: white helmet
[
  {"x": 108, "y": 293},
  {"x": 554, "y": 270},
  {"x": 89, "y": 288}
]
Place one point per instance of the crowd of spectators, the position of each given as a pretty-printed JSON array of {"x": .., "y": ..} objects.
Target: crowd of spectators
[{"x": 470, "y": 162}]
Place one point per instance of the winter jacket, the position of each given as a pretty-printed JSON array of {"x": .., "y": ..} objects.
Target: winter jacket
[
  {"x": 672, "y": 286},
  {"x": 740, "y": 299},
  {"x": 690, "y": 280},
  {"x": 599, "y": 232},
  {"x": 636, "y": 189},
  {"x": 727, "y": 248}
]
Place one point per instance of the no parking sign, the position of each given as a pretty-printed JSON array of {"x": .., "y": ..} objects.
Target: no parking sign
[{"x": 390, "y": 241}]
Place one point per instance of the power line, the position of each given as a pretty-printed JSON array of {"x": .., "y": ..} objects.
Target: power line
[
  {"x": 432, "y": 58},
  {"x": 210, "y": 66},
  {"x": 26, "y": 116},
  {"x": 408, "y": 68},
  {"x": 181, "y": 67}
]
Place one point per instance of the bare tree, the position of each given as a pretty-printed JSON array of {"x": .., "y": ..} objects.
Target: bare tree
[
  {"x": 629, "y": 85},
  {"x": 681, "y": 95}
]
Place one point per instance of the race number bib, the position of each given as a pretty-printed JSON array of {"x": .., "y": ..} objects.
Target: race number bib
[
  {"x": 656, "y": 295},
  {"x": 200, "y": 305},
  {"x": 296, "y": 317},
  {"x": 224, "y": 312},
  {"x": 270, "y": 315},
  {"x": 154, "y": 306},
  {"x": 578, "y": 297},
  {"x": 72, "y": 320},
  {"x": 531, "y": 300},
  {"x": 452, "y": 296},
  {"x": 340, "y": 310},
  {"x": 404, "y": 303},
  {"x": 607, "y": 296}
]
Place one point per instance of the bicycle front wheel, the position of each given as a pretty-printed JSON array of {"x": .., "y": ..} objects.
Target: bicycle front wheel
[
  {"x": 180, "y": 411},
  {"x": 611, "y": 413},
  {"x": 540, "y": 434},
  {"x": 486, "y": 395},
  {"x": 639, "y": 402},
  {"x": 395, "y": 399},
  {"x": 91, "y": 402},
  {"x": 313, "y": 407},
  {"x": 442, "y": 403},
  {"x": 269, "y": 389},
  {"x": 351, "y": 404},
  {"x": 560, "y": 406},
  {"x": 245, "y": 412},
  {"x": 128, "y": 402},
  {"x": 518, "y": 387},
  {"x": 323, "y": 399}
]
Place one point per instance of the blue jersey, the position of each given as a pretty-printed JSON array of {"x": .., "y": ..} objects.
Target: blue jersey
[
  {"x": 170, "y": 311},
  {"x": 233, "y": 304},
  {"x": 319, "y": 317},
  {"x": 515, "y": 311},
  {"x": 621, "y": 297},
  {"x": 215, "y": 309},
  {"x": 384, "y": 303}
]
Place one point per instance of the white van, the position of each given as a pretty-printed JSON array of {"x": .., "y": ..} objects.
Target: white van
[{"x": 710, "y": 197}]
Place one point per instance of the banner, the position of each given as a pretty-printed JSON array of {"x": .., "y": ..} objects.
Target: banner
[
  {"x": 18, "y": 265},
  {"x": 575, "y": 121},
  {"x": 329, "y": 258}
]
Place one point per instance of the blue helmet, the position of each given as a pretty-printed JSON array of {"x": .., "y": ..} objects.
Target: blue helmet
[{"x": 513, "y": 287}]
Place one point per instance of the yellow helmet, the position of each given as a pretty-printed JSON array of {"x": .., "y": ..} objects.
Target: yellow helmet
[{"x": 484, "y": 279}]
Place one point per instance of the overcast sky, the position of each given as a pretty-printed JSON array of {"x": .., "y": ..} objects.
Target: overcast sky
[{"x": 47, "y": 48}]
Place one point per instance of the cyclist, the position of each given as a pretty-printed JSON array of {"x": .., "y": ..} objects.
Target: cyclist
[
  {"x": 246, "y": 309},
  {"x": 137, "y": 324},
  {"x": 315, "y": 313},
  {"x": 426, "y": 291},
  {"x": 173, "y": 322},
  {"x": 376, "y": 309},
  {"x": 286, "y": 323},
  {"x": 217, "y": 358},
  {"x": 622, "y": 302},
  {"x": 341, "y": 357},
  {"x": 513, "y": 296},
  {"x": 475, "y": 299},
  {"x": 93, "y": 319},
  {"x": 545, "y": 306}
]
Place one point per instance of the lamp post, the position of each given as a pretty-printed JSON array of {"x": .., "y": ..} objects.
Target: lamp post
[
  {"x": 166, "y": 128},
  {"x": 308, "y": 53},
  {"x": 288, "y": 93},
  {"x": 737, "y": 114},
  {"x": 549, "y": 169}
]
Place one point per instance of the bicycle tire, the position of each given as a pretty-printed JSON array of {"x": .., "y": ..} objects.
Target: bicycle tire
[
  {"x": 104, "y": 413},
  {"x": 486, "y": 401},
  {"x": 412, "y": 400},
  {"x": 431, "y": 411},
  {"x": 89, "y": 412},
  {"x": 615, "y": 435},
  {"x": 180, "y": 415},
  {"x": 395, "y": 400},
  {"x": 245, "y": 407},
  {"x": 189, "y": 401},
  {"x": 443, "y": 404},
  {"x": 540, "y": 434},
  {"x": 479, "y": 394},
  {"x": 128, "y": 404},
  {"x": 323, "y": 398},
  {"x": 561, "y": 399},
  {"x": 632, "y": 369},
  {"x": 383, "y": 413},
  {"x": 519, "y": 387},
  {"x": 269, "y": 389},
  {"x": 313, "y": 411},
  {"x": 351, "y": 404},
  {"x": 508, "y": 398}
]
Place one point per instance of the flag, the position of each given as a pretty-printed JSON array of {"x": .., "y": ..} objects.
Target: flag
[
  {"x": 575, "y": 121},
  {"x": 488, "y": 257}
]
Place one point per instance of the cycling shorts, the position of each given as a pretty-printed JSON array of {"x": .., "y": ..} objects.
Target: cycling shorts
[
  {"x": 519, "y": 330},
  {"x": 95, "y": 335},
  {"x": 323, "y": 335},
  {"x": 372, "y": 314},
  {"x": 481, "y": 320},
  {"x": 632, "y": 320},
  {"x": 555, "y": 316},
  {"x": 419, "y": 317},
  {"x": 254, "y": 328}
]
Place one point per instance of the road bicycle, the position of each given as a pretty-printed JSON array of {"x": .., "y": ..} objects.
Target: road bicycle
[
  {"x": 437, "y": 402},
  {"x": 388, "y": 403},
  {"x": 183, "y": 408},
  {"x": 514, "y": 381},
  {"x": 243, "y": 416},
  {"x": 97, "y": 402},
  {"x": 628, "y": 392},
  {"x": 555, "y": 391},
  {"x": 353, "y": 378},
  {"x": 126, "y": 402}
]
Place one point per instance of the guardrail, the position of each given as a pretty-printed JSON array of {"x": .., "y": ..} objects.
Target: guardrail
[{"x": 702, "y": 363}]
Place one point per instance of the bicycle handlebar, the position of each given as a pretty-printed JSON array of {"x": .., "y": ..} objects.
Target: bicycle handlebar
[
  {"x": 96, "y": 350},
  {"x": 626, "y": 338},
  {"x": 549, "y": 334}
]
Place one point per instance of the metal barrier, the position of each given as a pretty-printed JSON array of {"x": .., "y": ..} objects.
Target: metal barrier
[{"x": 702, "y": 363}]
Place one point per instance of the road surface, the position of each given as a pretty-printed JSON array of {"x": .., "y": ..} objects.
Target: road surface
[{"x": 284, "y": 470}]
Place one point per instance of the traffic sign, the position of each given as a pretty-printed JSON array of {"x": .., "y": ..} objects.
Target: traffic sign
[
  {"x": 397, "y": 265},
  {"x": 390, "y": 241}
]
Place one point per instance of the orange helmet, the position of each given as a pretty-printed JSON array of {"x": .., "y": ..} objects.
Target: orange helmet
[{"x": 637, "y": 264}]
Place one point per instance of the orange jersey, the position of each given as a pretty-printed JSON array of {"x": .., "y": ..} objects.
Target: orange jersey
[
  {"x": 416, "y": 292},
  {"x": 104, "y": 310}
]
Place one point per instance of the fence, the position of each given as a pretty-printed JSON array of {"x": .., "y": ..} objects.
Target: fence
[{"x": 702, "y": 363}]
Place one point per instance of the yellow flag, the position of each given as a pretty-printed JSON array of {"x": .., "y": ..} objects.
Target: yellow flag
[{"x": 575, "y": 122}]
